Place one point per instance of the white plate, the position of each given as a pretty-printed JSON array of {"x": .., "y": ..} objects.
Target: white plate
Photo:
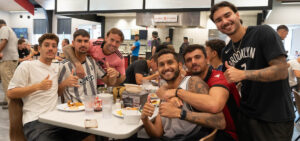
[
  {"x": 65, "y": 107},
  {"x": 115, "y": 113}
]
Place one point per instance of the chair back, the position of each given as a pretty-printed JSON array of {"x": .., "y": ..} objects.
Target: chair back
[
  {"x": 15, "y": 107},
  {"x": 210, "y": 137}
]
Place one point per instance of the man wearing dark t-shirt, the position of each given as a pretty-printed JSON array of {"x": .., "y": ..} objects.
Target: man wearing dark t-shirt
[
  {"x": 23, "y": 51},
  {"x": 256, "y": 58},
  {"x": 139, "y": 71},
  {"x": 222, "y": 96}
]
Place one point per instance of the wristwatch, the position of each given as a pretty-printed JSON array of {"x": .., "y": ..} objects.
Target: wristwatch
[
  {"x": 176, "y": 92},
  {"x": 183, "y": 114}
]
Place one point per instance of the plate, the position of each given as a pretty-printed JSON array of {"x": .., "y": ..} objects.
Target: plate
[
  {"x": 65, "y": 107},
  {"x": 118, "y": 113}
]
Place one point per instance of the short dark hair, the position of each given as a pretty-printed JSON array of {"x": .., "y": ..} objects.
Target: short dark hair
[
  {"x": 116, "y": 31},
  {"x": 67, "y": 40},
  {"x": 2, "y": 21},
  {"x": 21, "y": 41},
  {"x": 284, "y": 27},
  {"x": 50, "y": 36},
  {"x": 81, "y": 32},
  {"x": 168, "y": 37},
  {"x": 191, "y": 48},
  {"x": 166, "y": 51},
  {"x": 160, "y": 47},
  {"x": 35, "y": 47},
  {"x": 155, "y": 34},
  {"x": 220, "y": 5},
  {"x": 137, "y": 35},
  {"x": 186, "y": 38},
  {"x": 216, "y": 45}
]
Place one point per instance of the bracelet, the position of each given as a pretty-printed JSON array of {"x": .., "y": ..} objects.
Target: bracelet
[
  {"x": 176, "y": 92},
  {"x": 119, "y": 75},
  {"x": 183, "y": 114}
]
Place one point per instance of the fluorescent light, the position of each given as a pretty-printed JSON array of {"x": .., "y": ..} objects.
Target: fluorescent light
[
  {"x": 269, "y": 13},
  {"x": 286, "y": 2}
]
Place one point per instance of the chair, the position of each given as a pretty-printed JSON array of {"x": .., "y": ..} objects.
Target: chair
[
  {"x": 15, "y": 107},
  {"x": 210, "y": 137}
]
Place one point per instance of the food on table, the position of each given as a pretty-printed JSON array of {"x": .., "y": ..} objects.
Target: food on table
[{"x": 74, "y": 105}]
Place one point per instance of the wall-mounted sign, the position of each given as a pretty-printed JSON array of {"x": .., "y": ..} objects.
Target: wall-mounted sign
[{"x": 165, "y": 18}]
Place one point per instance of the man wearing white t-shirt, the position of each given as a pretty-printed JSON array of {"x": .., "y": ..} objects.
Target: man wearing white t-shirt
[
  {"x": 36, "y": 83},
  {"x": 294, "y": 72}
]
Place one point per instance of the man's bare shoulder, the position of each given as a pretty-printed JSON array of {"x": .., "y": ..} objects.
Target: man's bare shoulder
[{"x": 197, "y": 85}]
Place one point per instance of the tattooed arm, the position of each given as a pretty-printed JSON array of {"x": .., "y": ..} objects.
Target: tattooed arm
[
  {"x": 207, "y": 119},
  {"x": 197, "y": 96},
  {"x": 277, "y": 70}
]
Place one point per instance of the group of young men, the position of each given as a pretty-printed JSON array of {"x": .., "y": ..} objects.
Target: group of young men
[{"x": 254, "y": 59}]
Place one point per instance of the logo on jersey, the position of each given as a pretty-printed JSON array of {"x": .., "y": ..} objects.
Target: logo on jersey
[
  {"x": 218, "y": 75},
  {"x": 85, "y": 79},
  {"x": 247, "y": 52}
]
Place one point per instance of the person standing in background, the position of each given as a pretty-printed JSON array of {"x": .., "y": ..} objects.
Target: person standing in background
[
  {"x": 65, "y": 42},
  {"x": 182, "y": 47},
  {"x": 8, "y": 57},
  {"x": 214, "y": 50},
  {"x": 168, "y": 41},
  {"x": 135, "y": 48},
  {"x": 255, "y": 56},
  {"x": 155, "y": 42},
  {"x": 282, "y": 31}
]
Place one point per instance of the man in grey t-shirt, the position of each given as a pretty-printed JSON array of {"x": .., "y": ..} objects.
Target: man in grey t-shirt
[{"x": 8, "y": 56}]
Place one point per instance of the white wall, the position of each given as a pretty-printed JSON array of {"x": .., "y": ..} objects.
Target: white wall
[
  {"x": 284, "y": 14},
  {"x": 5, "y": 16}
]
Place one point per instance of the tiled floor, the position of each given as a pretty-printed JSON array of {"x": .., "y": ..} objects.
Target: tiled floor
[{"x": 4, "y": 122}]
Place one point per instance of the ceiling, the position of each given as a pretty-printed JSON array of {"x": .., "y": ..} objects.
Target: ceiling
[{"x": 10, "y": 6}]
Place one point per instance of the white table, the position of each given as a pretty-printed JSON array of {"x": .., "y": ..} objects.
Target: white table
[{"x": 113, "y": 127}]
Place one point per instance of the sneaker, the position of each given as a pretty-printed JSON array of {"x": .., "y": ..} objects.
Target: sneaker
[{"x": 3, "y": 103}]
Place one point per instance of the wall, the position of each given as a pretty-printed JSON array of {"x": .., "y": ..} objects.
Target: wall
[
  {"x": 283, "y": 14},
  {"x": 5, "y": 16}
]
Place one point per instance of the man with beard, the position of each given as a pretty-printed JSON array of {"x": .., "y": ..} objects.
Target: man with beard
[
  {"x": 222, "y": 96},
  {"x": 108, "y": 53},
  {"x": 77, "y": 88},
  {"x": 36, "y": 82},
  {"x": 177, "y": 121},
  {"x": 255, "y": 56}
]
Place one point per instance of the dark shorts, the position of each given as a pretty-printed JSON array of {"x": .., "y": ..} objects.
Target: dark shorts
[
  {"x": 134, "y": 58},
  {"x": 37, "y": 131},
  {"x": 250, "y": 129}
]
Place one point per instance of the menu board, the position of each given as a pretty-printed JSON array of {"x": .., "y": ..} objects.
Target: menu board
[
  {"x": 177, "y": 4},
  {"x": 71, "y": 5},
  {"x": 102, "y": 5}
]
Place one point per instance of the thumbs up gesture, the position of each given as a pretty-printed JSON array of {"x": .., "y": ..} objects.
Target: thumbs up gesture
[
  {"x": 111, "y": 72},
  {"x": 45, "y": 84},
  {"x": 234, "y": 75},
  {"x": 72, "y": 80}
]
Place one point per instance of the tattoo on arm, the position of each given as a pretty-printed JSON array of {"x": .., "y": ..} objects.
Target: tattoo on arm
[
  {"x": 197, "y": 85},
  {"x": 277, "y": 70},
  {"x": 207, "y": 119}
]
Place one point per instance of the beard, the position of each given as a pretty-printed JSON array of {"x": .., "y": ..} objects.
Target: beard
[
  {"x": 177, "y": 72},
  {"x": 196, "y": 73}
]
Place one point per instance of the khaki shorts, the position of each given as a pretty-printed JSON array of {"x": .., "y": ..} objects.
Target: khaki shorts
[{"x": 7, "y": 69}]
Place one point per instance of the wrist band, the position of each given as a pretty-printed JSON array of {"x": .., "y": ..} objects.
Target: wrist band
[
  {"x": 183, "y": 114},
  {"x": 176, "y": 92}
]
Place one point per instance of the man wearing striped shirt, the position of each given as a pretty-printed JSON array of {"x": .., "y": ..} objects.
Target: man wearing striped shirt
[{"x": 71, "y": 85}]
